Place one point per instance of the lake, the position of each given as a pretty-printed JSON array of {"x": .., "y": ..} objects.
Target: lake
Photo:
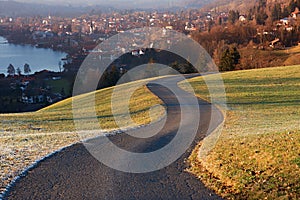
[{"x": 37, "y": 58}]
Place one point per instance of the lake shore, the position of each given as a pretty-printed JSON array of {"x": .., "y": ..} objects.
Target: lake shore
[{"x": 18, "y": 54}]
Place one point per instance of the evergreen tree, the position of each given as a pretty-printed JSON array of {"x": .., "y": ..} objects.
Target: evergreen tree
[
  {"x": 230, "y": 59},
  {"x": 276, "y": 13},
  {"x": 261, "y": 18},
  {"x": 233, "y": 16},
  {"x": 226, "y": 63},
  {"x": 250, "y": 14},
  {"x": 292, "y": 6},
  {"x": 113, "y": 76},
  {"x": 285, "y": 12},
  {"x": 27, "y": 69},
  {"x": 19, "y": 71},
  {"x": 11, "y": 70},
  {"x": 219, "y": 21},
  {"x": 235, "y": 55}
]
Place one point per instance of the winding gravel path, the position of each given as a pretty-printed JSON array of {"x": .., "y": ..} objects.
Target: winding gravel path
[{"x": 74, "y": 174}]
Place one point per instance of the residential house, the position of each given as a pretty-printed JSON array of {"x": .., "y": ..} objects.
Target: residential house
[
  {"x": 242, "y": 18},
  {"x": 296, "y": 14},
  {"x": 285, "y": 21}
]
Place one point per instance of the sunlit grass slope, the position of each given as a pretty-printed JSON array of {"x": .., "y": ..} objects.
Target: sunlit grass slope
[
  {"x": 258, "y": 153},
  {"x": 27, "y": 137},
  {"x": 59, "y": 116}
]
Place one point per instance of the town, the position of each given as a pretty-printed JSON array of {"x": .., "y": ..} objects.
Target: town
[{"x": 224, "y": 34}]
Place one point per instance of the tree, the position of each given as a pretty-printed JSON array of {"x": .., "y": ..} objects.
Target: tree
[
  {"x": 62, "y": 92},
  {"x": 59, "y": 66},
  {"x": 292, "y": 6},
  {"x": 260, "y": 13},
  {"x": 19, "y": 71},
  {"x": 262, "y": 4},
  {"x": 261, "y": 18},
  {"x": 226, "y": 62},
  {"x": 220, "y": 21},
  {"x": 11, "y": 70},
  {"x": 27, "y": 69},
  {"x": 285, "y": 12},
  {"x": 233, "y": 16},
  {"x": 219, "y": 51},
  {"x": 229, "y": 60},
  {"x": 235, "y": 55},
  {"x": 113, "y": 76},
  {"x": 183, "y": 67},
  {"x": 276, "y": 13}
]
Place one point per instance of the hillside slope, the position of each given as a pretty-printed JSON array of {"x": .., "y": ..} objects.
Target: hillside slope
[
  {"x": 26, "y": 137},
  {"x": 257, "y": 155},
  {"x": 242, "y": 5}
]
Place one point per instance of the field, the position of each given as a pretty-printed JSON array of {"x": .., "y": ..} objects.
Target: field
[
  {"x": 258, "y": 154},
  {"x": 255, "y": 58},
  {"x": 256, "y": 157},
  {"x": 27, "y": 137},
  {"x": 57, "y": 86}
]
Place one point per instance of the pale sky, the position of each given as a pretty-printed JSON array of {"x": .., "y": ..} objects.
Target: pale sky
[
  {"x": 127, "y": 4},
  {"x": 104, "y": 2}
]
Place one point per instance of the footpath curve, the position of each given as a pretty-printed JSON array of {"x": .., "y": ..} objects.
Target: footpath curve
[{"x": 74, "y": 173}]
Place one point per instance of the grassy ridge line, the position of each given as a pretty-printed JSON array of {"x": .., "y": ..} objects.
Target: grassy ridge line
[
  {"x": 59, "y": 116},
  {"x": 27, "y": 137},
  {"x": 258, "y": 153}
]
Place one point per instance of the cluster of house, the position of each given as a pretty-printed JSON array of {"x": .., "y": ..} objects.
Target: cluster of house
[
  {"x": 38, "y": 96},
  {"x": 288, "y": 22},
  {"x": 31, "y": 93},
  {"x": 106, "y": 23}
]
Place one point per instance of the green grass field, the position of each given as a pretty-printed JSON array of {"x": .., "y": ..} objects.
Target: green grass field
[
  {"x": 258, "y": 153},
  {"x": 26, "y": 137}
]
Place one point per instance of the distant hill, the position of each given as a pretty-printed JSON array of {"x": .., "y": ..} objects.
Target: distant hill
[
  {"x": 241, "y": 5},
  {"x": 29, "y": 8},
  {"x": 225, "y": 5},
  {"x": 15, "y": 9},
  {"x": 197, "y": 3},
  {"x": 221, "y": 5},
  {"x": 71, "y": 8},
  {"x": 75, "y": 7}
]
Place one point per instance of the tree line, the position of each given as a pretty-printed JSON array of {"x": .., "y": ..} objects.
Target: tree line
[{"x": 12, "y": 71}]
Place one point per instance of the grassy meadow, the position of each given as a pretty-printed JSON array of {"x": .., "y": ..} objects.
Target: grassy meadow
[
  {"x": 26, "y": 137},
  {"x": 258, "y": 153},
  {"x": 256, "y": 157}
]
